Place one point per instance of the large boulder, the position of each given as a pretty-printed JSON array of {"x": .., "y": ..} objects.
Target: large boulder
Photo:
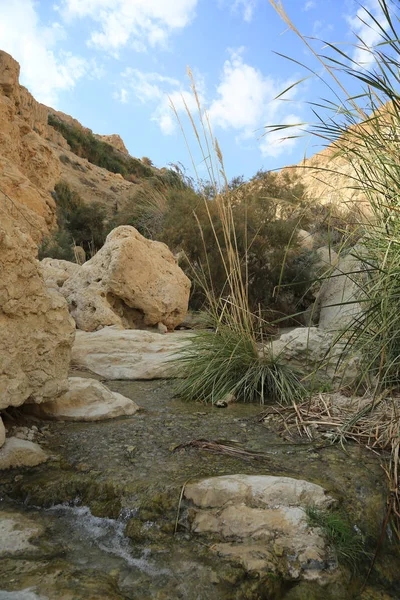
[
  {"x": 260, "y": 521},
  {"x": 314, "y": 353},
  {"x": 337, "y": 299},
  {"x": 130, "y": 282},
  {"x": 37, "y": 331},
  {"x": 85, "y": 400},
  {"x": 129, "y": 354}
]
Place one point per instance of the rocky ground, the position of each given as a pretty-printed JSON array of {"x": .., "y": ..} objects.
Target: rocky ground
[{"x": 129, "y": 473}]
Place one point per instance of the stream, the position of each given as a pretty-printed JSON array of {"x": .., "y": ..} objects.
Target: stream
[{"x": 106, "y": 505}]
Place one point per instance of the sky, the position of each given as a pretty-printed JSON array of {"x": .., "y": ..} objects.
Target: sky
[{"x": 115, "y": 65}]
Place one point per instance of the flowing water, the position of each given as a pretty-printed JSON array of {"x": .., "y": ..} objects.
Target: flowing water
[{"x": 106, "y": 504}]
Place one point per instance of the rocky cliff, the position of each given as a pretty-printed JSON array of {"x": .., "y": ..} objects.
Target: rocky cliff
[{"x": 34, "y": 156}]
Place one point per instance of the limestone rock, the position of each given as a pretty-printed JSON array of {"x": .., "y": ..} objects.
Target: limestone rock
[
  {"x": 56, "y": 272},
  {"x": 36, "y": 329},
  {"x": 311, "y": 350},
  {"x": 2, "y": 433},
  {"x": 20, "y": 453},
  {"x": 130, "y": 282},
  {"x": 86, "y": 400},
  {"x": 17, "y": 532},
  {"x": 114, "y": 140},
  {"x": 305, "y": 239},
  {"x": 128, "y": 354},
  {"x": 260, "y": 522},
  {"x": 337, "y": 298}
]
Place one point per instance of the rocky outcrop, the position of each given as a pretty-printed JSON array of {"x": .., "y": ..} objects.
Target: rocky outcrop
[
  {"x": 130, "y": 282},
  {"x": 114, "y": 140},
  {"x": 128, "y": 354},
  {"x": 260, "y": 522},
  {"x": 29, "y": 167},
  {"x": 18, "y": 453},
  {"x": 34, "y": 156},
  {"x": 85, "y": 400},
  {"x": 36, "y": 330}
]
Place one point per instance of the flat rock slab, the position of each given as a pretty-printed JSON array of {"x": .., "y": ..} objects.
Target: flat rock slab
[
  {"x": 129, "y": 353},
  {"x": 85, "y": 400},
  {"x": 16, "y": 533},
  {"x": 261, "y": 523},
  {"x": 21, "y": 453}
]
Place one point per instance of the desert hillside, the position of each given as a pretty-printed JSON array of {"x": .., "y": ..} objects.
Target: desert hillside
[{"x": 35, "y": 155}]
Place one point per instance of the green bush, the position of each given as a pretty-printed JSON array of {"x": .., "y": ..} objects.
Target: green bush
[
  {"x": 79, "y": 224},
  {"x": 262, "y": 241},
  {"x": 86, "y": 145}
]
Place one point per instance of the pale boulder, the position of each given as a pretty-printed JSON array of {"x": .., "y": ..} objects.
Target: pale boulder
[
  {"x": 85, "y": 400},
  {"x": 36, "y": 330},
  {"x": 131, "y": 282},
  {"x": 260, "y": 522},
  {"x": 337, "y": 300},
  {"x": 129, "y": 354},
  {"x": 56, "y": 272},
  {"x": 314, "y": 354},
  {"x": 21, "y": 453}
]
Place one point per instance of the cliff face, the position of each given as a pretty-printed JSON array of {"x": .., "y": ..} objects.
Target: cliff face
[{"x": 34, "y": 156}]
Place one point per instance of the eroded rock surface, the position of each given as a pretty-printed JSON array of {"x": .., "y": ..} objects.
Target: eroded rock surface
[
  {"x": 86, "y": 400},
  {"x": 260, "y": 522},
  {"x": 36, "y": 330},
  {"x": 17, "y": 533},
  {"x": 21, "y": 453},
  {"x": 130, "y": 282},
  {"x": 129, "y": 354}
]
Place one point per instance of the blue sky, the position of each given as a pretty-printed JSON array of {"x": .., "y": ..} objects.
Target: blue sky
[{"x": 112, "y": 64}]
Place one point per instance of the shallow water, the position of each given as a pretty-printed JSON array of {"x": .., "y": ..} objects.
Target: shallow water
[{"x": 123, "y": 476}]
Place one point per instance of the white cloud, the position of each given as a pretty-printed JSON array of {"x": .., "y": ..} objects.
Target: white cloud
[
  {"x": 309, "y": 5},
  {"x": 159, "y": 90},
  {"x": 138, "y": 23},
  {"x": 246, "y": 7},
  {"x": 362, "y": 24},
  {"x": 245, "y": 103},
  {"x": 44, "y": 70},
  {"x": 276, "y": 143}
]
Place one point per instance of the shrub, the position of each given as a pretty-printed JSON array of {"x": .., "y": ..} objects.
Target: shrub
[
  {"x": 79, "y": 224},
  {"x": 229, "y": 361},
  {"x": 86, "y": 145},
  {"x": 345, "y": 541},
  {"x": 261, "y": 240}
]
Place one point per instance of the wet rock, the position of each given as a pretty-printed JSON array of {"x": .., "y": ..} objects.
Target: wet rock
[
  {"x": 16, "y": 533},
  {"x": 128, "y": 354},
  {"x": 85, "y": 400},
  {"x": 260, "y": 522},
  {"x": 21, "y": 453}
]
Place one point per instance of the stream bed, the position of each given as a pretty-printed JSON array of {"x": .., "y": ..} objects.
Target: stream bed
[{"x": 106, "y": 505}]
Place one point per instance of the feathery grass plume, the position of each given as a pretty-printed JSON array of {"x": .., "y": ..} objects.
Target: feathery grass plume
[
  {"x": 362, "y": 128},
  {"x": 228, "y": 359}
]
